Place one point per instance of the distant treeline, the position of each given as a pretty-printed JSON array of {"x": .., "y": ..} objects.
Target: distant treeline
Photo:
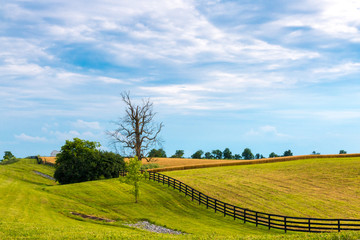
[{"x": 226, "y": 154}]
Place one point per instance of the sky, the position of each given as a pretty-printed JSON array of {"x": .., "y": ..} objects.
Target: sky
[{"x": 265, "y": 75}]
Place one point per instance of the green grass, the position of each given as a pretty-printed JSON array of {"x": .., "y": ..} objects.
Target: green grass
[
  {"x": 325, "y": 188},
  {"x": 33, "y": 207}
]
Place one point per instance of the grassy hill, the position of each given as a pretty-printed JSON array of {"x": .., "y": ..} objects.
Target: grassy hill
[
  {"x": 33, "y": 207},
  {"x": 325, "y": 188}
]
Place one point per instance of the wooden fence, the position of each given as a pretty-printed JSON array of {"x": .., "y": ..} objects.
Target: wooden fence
[{"x": 286, "y": 223}]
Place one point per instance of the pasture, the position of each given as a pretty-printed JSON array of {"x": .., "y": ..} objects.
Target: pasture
[
  {"x": 34, "y": 207},
  {"x": 324, "y": 187}
]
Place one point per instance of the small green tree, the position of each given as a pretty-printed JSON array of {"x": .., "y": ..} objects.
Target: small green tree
[
  {"x": 342, "y": 152},
  {"x": 8, "y": 156},
  {"x": 208, "y": 155},
  {"x": 134, "y": 176},
  {"x": 178, "y": 154},
  {"x": 198, "y": 154},
  {"x": 217, "y": 154},
  {"x": 247, "y": 154},
  {"x": 159, "y": 153},
  {"x": 272, "y": 155},
  {"x": 237, "y": 156},
  {"x": 227, "y": 154},
  {"x": 288, "y": 153}
]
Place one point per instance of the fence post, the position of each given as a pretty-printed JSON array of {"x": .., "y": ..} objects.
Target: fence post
[
  {"x": 199, "y": 198},
  {"x": 192, "y": 194},
  {"x": 180, "y": 187},
  {"x": 207, "y": 201},
  {"x": 186, "y": 190},
  {"x": 256, "y": 218},
  {"x": 339, "y": 225},
  {"x": 224, "y": 209},
  {"x": 285, "y": 224},
  {"x": 174, "y": 183},
  {"x": 309, "y": 225},
  {"x": 163, "y": 177},
  {"x": 215, "y": 204},
  {"x": 234, "y": 213},
  {"x": 244, "y": 215},
  {"x": 269, "y": 216}
]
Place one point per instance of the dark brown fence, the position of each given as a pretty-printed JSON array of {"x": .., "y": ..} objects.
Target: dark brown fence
[{"x": 285, "y": 223}]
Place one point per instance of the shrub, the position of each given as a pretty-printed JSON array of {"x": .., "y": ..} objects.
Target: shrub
[
  {"x": 81, "y": 161},
  {"x": 149, "y": 166}
]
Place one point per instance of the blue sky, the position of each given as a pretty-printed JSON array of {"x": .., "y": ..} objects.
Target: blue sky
[{"x": 268, "y": 76}]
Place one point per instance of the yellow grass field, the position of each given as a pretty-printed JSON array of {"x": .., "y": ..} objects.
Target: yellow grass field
[
  {"x": 174, "y": 164},
  {"x": 48, "y": 159}
]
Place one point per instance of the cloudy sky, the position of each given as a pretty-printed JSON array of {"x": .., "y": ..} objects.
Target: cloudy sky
[{"x": 268, "y": 75}]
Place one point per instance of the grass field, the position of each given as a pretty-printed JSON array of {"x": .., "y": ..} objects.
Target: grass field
[
  {"x": 167, "y": 162},
  {"x": 33, "y": 207},
  {"x": 326, "y": 188}
]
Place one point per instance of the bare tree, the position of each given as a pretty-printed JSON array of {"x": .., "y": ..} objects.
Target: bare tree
[{"x": 137, "y": 130}]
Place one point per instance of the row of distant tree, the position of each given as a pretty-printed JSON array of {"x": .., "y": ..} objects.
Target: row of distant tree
[
  {"x": 217, "y": 154},
  {"x": 226, "y": 154}
]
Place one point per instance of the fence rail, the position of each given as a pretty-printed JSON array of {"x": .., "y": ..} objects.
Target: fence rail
[{"x": 286, "y": 223}]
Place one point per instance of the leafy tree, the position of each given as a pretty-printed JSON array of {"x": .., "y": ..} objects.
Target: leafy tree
[
  {"x": 80, "y": 161},
  {"x": 134, "y": 176},
  {"x": 342, "y": 152},
  {"x": 8, "y": 156},
  {"x": 257, "y": 156},
  {"x": 110, "y": 164},
  {"x": 227, "y": 154},
  {"x": 178, "y": 154},
  {"x": 198, "y": 154},
  {"x": 137, "y": 130},
  {"x": 288, "y": 153},
  {"x": 272, "y": 155},
  {"x": 237, "y": 156},
  {"x": 247, "y": 154},
  {"x": 208, "y": 155},
  {"x": 315, "y": 153},
  {"x": 160, "y": 153},
  {"x": 217, "y": 154}
]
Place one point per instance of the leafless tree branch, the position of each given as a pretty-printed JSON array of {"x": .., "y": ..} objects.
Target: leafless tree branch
[{"x": 136, "y": 130}]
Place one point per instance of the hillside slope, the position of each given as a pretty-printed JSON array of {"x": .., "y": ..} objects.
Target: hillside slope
[
  {"x": 34, "y": 207},
  {"x": 326, "y": 188}
]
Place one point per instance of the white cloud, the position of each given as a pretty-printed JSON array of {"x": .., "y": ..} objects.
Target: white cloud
[
  {"x": 87, "y": 125},
  {"x": 341, "y": 69},
  {"x": 267, "y": 130},
  {"x": 339, "y": 19},
  {"x": 27, "y": 138}
]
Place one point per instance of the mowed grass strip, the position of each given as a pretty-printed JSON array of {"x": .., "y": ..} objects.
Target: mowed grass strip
[{"x": 324, "y": 188}]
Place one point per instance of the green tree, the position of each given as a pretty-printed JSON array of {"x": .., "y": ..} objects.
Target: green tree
[
  {"x": 288, "y": 153},
  {"x": 342, "y": 152},
  {"x": 80, "y": 161},
  {"x": 217, "y": 154},
  {"x": 160, "y": 153},
  {"x": 237, "y": 156},
  {"x": 178, "y": 154},
  {"x": 198, "y": 154},
  {"x": 8, "y": 156},
  {"x": 227, "y": 154},
  {"x": 272, "y": 155},
  {"x": 247, "y": 154},
  {"x": 134, "y": 176},
  {"x": 208, "y": 155}
]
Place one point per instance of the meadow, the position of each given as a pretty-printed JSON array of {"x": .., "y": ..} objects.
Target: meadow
[
  {"x": 324, "y": 187},
  {"x": 34, "y": 207}
]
